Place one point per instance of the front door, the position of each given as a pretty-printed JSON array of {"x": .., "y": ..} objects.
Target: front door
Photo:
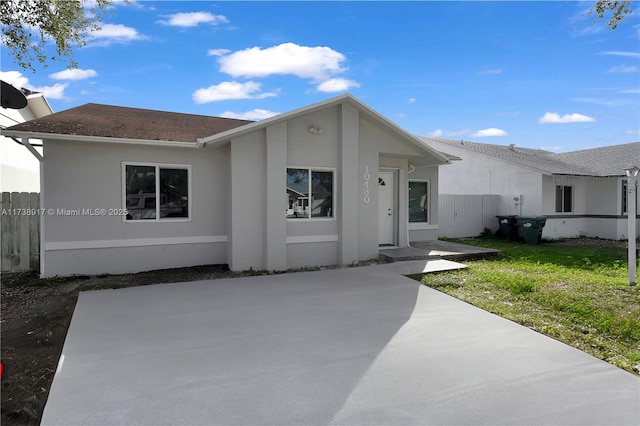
[{"x": 386, "y": 216}]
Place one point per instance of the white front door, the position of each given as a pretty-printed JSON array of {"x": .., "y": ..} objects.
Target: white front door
[{"x": 386, "y": 216}]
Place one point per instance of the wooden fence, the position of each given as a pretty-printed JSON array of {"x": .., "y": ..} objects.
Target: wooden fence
[
  {"x": 20, "y": 231},
  {"x": 462, "y": 216}
]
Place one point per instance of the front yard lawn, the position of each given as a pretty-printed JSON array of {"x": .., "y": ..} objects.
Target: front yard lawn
[{"x": 575, "y": 291}]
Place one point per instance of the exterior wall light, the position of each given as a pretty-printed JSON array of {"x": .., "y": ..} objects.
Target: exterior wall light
[{"x": 315, "y": 129}]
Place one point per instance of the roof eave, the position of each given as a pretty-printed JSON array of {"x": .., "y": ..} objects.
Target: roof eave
[{"x": 99, "y": 139}]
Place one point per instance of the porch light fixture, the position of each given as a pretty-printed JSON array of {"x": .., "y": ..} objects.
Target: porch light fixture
[
  {"x": 315, "y": 129},
  {"x": 632, "y": 179}
]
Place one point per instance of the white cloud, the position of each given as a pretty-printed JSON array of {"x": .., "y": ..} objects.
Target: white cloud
[
  {"x": 51, "y": 92},
  {"x": 217, "y": 52},
  {"x": 19, "y": 81},
  {"x": 228, "y": 90},
  {"x": 411, "y": 100},
  {"x": 552, "y": 117},
  {"x": 492, "y": 131},
  {"x": 254, "y": 114},
  {"x": 116, "y": 33},
  {"x": 73, "y": 74},
  {"x": 336, "y": 85},
  {"x": 193, "y": 19},
  {"x": 496, "y": 71},
  {"x": 598, "y": 101},
  {"x": 318, "y": 63},
  {"x": 439, "y": 133},
  {"x": 624, "y": 69},
  {"x": 14, "y": 78},
  {"x": 632, "y": 91},
  {"x": 619, "y": 53}
]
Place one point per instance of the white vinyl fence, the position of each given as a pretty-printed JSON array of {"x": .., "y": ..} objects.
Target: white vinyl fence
[
  {"x": 462, "y": 216},
  {"x": 20, "y": 231}
]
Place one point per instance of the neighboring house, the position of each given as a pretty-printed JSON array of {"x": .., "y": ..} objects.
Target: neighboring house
[
  {"x": 582, "y": 193},
  {"x": 326, "y": 184},
  {"x": 20, "y": 169}
]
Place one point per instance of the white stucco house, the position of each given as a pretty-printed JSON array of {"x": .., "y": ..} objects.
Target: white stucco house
[
  {"x": 127, "y": 190},
  {"x": 582, "y": 193},
  {"x": 19, "y": 169}
]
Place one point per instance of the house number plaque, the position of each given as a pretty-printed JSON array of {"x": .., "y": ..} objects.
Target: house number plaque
[{"x": 365, "y": 177}]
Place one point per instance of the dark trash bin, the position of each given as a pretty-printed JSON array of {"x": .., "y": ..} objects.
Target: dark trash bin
[
  {"x": 508, "y": 227},
  {"x": 530, "y": 228}
]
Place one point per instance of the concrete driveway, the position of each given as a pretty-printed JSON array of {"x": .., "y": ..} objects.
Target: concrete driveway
[{"x": 350, "y": 346}]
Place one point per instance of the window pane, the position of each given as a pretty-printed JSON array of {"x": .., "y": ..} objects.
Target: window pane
[
  {"x": 321, "y": 194},
  {"x": 174, "y": 193},
  {"x": 567, "y": 199},
  {"x": 298, "y": 193},
  {"x": 624, "y": 197},
  {"x": 418, "y": 202},
  {"x": 558, "y": 198},
  {"x": 141, "y": 192}
]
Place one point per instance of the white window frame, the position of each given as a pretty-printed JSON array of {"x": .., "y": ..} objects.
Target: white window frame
[
  {"x": 157, "y": 166},
  {"x": 334, "y": 213},
  {"x": 420, "y": 225}
]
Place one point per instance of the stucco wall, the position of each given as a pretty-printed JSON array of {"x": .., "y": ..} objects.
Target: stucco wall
[
  {"x": 479, "y": 174},
  {"x": 597, "y": 208},
  {"x": 80, "y": 176}
]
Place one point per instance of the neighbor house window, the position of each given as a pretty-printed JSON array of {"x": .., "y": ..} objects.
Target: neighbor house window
[
  {"x": 309, "y": 193},
  {"x": 156, "y": 192},
  {"x": 419, "y": 201},
  {"x": 564, "y": 199}
]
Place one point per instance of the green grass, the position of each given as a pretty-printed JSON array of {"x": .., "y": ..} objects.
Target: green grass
[{"x": 576, "y": 294}]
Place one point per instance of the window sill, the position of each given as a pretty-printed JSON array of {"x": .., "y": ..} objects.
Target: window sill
[
  {"x": 414, "y": 226},
  {"x": 313, "y": 219},
  {"x": 164, "y": 220}
]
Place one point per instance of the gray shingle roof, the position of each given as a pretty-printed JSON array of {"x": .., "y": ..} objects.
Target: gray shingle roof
[
  {"x": 601, "y": 162},
  {"x": 129, "y": 123}
]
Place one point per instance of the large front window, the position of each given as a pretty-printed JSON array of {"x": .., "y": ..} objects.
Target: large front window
[
  {"x": 419, "y": 201},
  {"x": 156, "y": 192},
  {"x": 309, "y": 193}
]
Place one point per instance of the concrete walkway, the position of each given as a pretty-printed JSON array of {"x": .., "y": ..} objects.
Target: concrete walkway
[
  {"x": 436, "y": 249},
  {"x": 357, "y": 346}
]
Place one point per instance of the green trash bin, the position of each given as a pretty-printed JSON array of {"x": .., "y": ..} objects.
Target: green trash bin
[
  {"x": 530, "y": 228},
  {"x": 508, "y": 227}
]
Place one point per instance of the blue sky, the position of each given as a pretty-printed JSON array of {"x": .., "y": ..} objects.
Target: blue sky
[{"x": 535, "y": 74}]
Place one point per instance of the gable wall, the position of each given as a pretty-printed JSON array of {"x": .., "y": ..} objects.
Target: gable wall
[{"x": 480, "y": 174}]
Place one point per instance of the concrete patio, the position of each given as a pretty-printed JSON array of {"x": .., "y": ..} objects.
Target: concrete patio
[{"x": 347, "y": 346}]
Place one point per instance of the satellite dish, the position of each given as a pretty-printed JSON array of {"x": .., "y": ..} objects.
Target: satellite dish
[{"x": 12, "y": 98}]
